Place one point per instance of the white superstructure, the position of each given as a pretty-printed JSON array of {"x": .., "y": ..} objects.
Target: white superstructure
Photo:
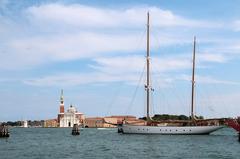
[
  {"x": 71, "y": 117},
  {"x": 25, "y": 124}
]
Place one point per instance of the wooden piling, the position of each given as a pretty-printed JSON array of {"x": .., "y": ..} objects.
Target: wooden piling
[
  {"x": 4, "y": 131},
  {"x": 239, "y": 136},
  {"x": 75, "y": 130}
]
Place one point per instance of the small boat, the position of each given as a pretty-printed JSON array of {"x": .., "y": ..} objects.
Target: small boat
[
  {"x": 189, "y": 127},
  {"x": 4, "y": 131},
  {"x": 75, "y": 130}
]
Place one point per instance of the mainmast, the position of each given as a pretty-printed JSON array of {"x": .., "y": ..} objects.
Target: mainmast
[
  {"x": 193, "y": 80},
  {"x": 148, "y": 69}
]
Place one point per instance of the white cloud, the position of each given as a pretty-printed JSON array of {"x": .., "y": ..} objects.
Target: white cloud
[
  {"x": 136, "y": 64},
  {"x": 126, "y": 69},
  {"x": 206, "y": 80},
  {"x": 236, "y": 25},
  {"x": 39, "y": 50},
  {"x": 57, "y": 32},
  {"x": 219, "y": 104},
  {"x": 211, "y": 57},
  {"x": 73, "y": 79},
  {"x": 86, "y": 16}
]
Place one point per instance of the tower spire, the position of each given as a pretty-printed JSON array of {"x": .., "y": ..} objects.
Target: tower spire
[
  {"x": 61, "y": 97},
  {"x": 61, "y": 102}
]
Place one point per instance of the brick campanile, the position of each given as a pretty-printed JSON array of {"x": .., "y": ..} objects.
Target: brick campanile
[{"x": 61, "y": 102}]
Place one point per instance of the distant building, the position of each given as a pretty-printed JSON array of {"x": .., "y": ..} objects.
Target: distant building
[
  {"x": 25, "y": 124},
  {"x": 117, "y": 119},
  {"x": 70, "y": 117},
  {"x": 51, "y": 123},
  {"x": 97, "y": 122},
  {"x": 107, "y": 122}
]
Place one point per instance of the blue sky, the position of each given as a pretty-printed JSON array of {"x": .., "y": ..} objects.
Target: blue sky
[{"x": 95, "y": 51}]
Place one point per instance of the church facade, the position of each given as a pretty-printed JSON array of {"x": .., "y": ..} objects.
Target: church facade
[{"x": 70, "y": 117}]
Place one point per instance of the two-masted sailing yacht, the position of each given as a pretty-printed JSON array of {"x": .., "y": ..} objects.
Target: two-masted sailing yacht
[{"x": 189, "y": 127}]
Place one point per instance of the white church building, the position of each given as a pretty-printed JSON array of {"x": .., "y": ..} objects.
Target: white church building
[{"x": 70, "y": 117}]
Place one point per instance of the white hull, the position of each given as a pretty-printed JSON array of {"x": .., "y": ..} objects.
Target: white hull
[{"x": 174, "y": 130}]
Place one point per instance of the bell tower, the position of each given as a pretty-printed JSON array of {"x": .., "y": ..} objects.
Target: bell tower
[{"x": 61, "y": 102}]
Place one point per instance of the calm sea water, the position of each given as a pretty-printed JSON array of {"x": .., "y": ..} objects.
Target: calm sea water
[{"x": 57, "y": 143}]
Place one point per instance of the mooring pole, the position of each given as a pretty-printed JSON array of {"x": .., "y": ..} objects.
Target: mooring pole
[
  {"x": 238, "y": 121},
  {"x": 239, "y": 136}
]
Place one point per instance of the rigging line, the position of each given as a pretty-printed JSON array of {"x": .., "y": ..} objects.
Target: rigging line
[
  {"x": 223, "y": 101},
  {"x": 163, "y": 53},
  {"x": 158, "y": 72},
  {"x": 173, "y": 86},
  {"x": 136, "y": 89},
  {"x": 151, "y": 90},
  {"x": 167, "y": 102},
  {"x": 172, "y": 90},
  {"x": 196, "y": 108},
  {"x": 157, "y": 39},
  {"x": 115, "y": 97},
  {"x": 138, "y": 44},
  {"x": 154, "y": 68},
  {"x": 156, "y": 83},
  {"x": 152, "y": 104},
  {"x": 189, "y": 97},
  {"x": 205, "y": 99}
]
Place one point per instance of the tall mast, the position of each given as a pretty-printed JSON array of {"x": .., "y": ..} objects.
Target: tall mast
[
  {"x": 148, "y": 68},
  {"x": 193, "y": 80}
]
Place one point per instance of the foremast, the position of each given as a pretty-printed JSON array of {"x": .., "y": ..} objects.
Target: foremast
[
  {"x": 147, "y": 86},
  {"x": 193, "y": 81}
]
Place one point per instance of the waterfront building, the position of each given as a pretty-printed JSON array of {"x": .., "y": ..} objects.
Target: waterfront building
[
  {"x": 116, "y": 119},
  {"x": 97, "y": 122},
  {"x": 51, "y": 123},
  {"x": 70, "y": 117},
  {"x": 108, "y": 122}
]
